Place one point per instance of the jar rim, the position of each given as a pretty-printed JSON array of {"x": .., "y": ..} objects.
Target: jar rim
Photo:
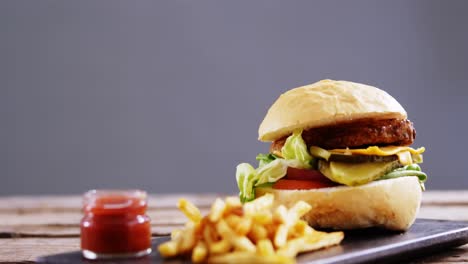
[
  {"x": 105, "y": 201},
  {"x": 136, "y": 193}
]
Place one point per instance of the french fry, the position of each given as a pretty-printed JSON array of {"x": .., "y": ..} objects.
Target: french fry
[
  {"x": 217, "y": 210},
  {"x": 298, "y": 210},
  {"x": 241, "y": 243},
  {"x": 243, "y": 227},
  {"x": 288, "y": 218},
  {"x": 224, "y": 230},
  {"x": 175, "y": 233},
  {"x": 247, "y": 257},
  {"x": 263, "y": 218},
  {"x": 240, "y": 225},
  {"x": 187, "y": 241},
  {"x": 271, "y": 231},
  {"x": 292, "y": 247},
  {"x": 250, "y": 233},
  {"x": 262, "y": 203},
  {"x": 257, "y": 233},
  {"x": 200, "y": 252},
  {"x": 322, "y": 240},
  {"x": 190, "y": 210},
  {"x": 233, "y": 220},
  {"x": 265, "y": 247},
  {"x": 281, "y": 214},
  {"x": 233, "y": 202},
  {"x": 220, "y": 247},
  {"x": 208, "y": 234},
  {"x": 299, "y": 229},
  {"x": 168, "y": 249},
  {"x": 281, "y": 235}
]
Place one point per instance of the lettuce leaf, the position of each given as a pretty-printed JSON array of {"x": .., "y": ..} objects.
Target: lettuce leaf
[
  {"x": 246, "y": 176},
  {"x": 275, "y": 170},
  {"x": 271, "y": 168},
  {"x": 264, "y": 159},
  {"x": 295, "y": 148},
  {"x": 408, "y": 170}
]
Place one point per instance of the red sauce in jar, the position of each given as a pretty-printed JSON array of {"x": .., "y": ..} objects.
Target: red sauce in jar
[{"x": 115, "y": 224}]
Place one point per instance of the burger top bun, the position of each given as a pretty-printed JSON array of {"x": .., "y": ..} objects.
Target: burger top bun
[
  {"x": 324, "y": 103},
  {"x": 392, "y": 204}
]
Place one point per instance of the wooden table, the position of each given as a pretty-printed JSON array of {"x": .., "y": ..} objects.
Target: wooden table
[{"x": 31, "y": 226}]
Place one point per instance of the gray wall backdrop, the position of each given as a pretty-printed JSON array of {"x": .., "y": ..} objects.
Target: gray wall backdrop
[{"x": 168, "y": 95}]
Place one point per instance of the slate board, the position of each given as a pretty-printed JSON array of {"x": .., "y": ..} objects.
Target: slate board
[{"x": 359, "y": 246}]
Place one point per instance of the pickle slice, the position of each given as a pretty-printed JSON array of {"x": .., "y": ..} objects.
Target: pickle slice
[{"x": 353, "y": 174}]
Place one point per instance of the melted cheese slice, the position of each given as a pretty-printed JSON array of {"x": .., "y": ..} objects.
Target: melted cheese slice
[
  {"x": 405, "y": 154},
  {"x": 378, "y": 151}
]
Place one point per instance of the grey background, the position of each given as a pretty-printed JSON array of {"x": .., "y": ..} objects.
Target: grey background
[{"x": 168, "y": 95}]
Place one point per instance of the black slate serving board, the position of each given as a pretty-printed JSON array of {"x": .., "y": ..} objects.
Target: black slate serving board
[{"x": 360, "y": 246}]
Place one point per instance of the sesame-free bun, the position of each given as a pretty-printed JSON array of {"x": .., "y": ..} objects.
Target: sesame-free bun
[
  {"x": 391, "y": 204},
  {"x": 324, "y": 103}
]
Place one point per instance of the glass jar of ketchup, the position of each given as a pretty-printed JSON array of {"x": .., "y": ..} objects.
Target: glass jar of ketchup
[{"x": 115, "y": 224}]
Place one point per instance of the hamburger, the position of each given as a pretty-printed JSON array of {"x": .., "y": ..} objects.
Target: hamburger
[{"x": 344, "y": 148}]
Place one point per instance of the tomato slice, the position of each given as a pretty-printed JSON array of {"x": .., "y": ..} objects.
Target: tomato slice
[
  {"x": 285, "y": 184},
  {"x": 305, "y": 175}
]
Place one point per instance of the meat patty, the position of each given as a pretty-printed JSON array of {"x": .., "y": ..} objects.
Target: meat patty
[{"x": 358, "y": 134}]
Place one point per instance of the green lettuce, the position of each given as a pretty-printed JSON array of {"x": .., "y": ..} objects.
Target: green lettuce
[
  {"x": 408, "y": 170},
  {"x": 246, "y": 177},
  {"x": 271, "y": 168},
  {"x": 264, "y": 159},
  {"x": 295, "y": 148},
  {"x": 275, "y": 170}
]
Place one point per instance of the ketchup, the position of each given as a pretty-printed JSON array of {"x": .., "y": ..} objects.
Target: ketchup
[{"x": 115, "y": 224}]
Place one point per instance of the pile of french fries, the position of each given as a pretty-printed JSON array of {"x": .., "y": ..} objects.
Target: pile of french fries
[{"x": 250, "y": 233}]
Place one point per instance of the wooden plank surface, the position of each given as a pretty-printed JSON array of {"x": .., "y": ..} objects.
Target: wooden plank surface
[{"x": 31, "y": 226}]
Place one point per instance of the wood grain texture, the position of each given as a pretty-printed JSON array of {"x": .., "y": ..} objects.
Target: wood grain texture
[
  {"x": 57, "y": 203},
  {"x": 28, "y": 249},
  {"x": 31, "y": 226},
  {"x": 445, "y": 198}
]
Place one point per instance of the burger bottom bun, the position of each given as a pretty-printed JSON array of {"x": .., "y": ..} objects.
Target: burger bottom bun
[{"x": 392, "y": 204}]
